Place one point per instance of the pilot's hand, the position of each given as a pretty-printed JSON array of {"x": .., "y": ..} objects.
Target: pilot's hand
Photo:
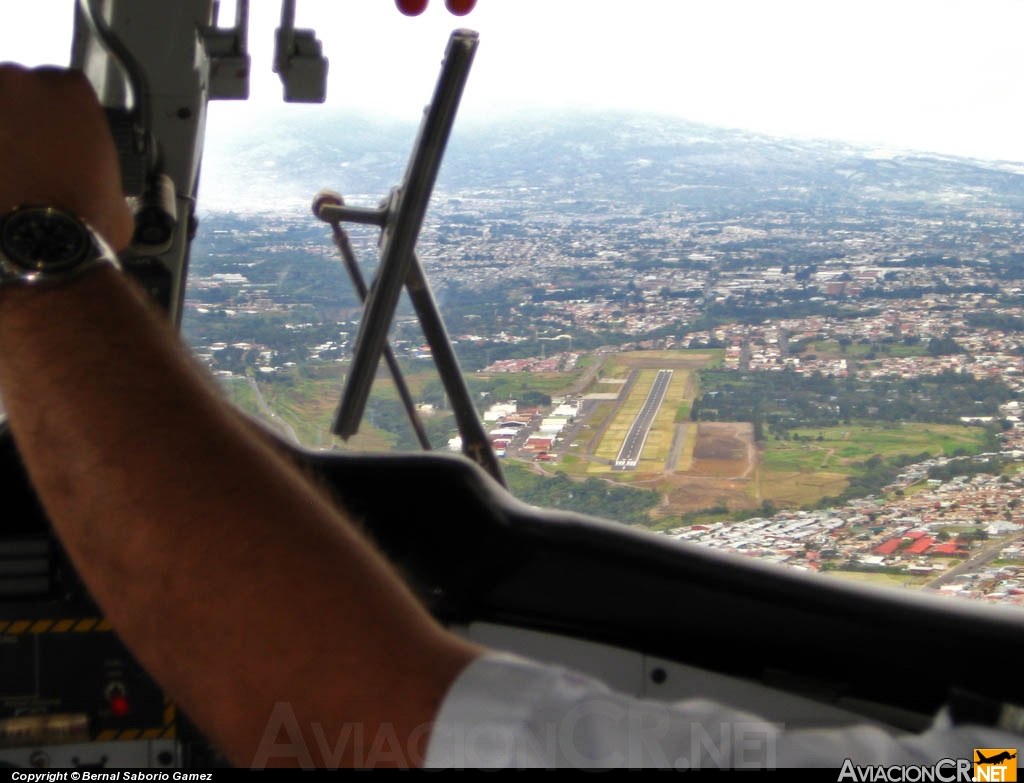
[{"x": 56, "y": 150}]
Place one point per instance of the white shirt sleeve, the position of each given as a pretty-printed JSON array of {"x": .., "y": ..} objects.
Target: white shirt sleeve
[{"x": 504, "y": 711}]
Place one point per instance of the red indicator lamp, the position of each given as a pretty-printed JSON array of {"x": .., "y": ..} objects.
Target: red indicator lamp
[
  {"x": 411, "y": 7},
  {"x": 460, "y": 7},
  {"x": 417, "y": 7},
  {"x": 116, "y": 699},
  {"x": 119, "y": 705}
]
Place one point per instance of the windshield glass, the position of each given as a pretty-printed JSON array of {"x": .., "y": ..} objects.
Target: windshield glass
[{"x": 744, "y": 274}]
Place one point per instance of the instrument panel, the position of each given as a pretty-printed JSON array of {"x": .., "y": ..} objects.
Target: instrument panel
[{"x": 557, "y": 585}]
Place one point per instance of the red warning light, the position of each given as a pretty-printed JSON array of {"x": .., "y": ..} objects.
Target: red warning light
[
  {"x": 119, "y": 705},
  {"x": 460, "y": 7},
  {"x": 411, "y": 7}
]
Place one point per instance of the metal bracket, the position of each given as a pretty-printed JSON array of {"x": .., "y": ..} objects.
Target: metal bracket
[
  {"x": 326, "y": 206},
  {"x": 400, "y": 220},
  {"x": 407, "y": 207},
  {"x": 299, "y": 60},
  {"x": 227, "y": 50}
]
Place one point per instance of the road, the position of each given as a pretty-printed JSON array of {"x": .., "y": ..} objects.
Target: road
[
  {"x": 975, "y": 563},
  {"x": 633, "y": 445},
  {"x": 272, "y": 417},
  {"x": 591, "y": 371},
  {"x": 676, "y": 452}
]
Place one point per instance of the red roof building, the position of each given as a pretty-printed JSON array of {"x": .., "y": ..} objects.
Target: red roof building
[
  {"x": 920, "y": 546},
  {"x": 888, "y": 547},
  {"x": 537, "y": 443}
]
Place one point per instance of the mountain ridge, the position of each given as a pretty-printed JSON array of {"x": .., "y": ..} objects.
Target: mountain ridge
[{"x": 592, "y": 157}]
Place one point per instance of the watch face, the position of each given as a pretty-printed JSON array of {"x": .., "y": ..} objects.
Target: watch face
[{"x": 42, "y": 239}]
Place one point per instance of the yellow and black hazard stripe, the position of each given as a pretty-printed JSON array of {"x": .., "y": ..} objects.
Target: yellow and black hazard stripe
[
  {"x": 86, "y": 625},
  {"x": 67, "y": 625},
  {"x": 167, "y": 731}
]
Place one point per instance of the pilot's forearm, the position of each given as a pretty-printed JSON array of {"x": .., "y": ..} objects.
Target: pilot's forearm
[{"x": 234, "y": 584}]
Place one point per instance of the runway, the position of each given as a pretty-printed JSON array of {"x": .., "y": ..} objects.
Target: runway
[{"x": 633, "y": 445}]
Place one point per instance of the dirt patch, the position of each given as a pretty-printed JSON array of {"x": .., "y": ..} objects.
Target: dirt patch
[
  {"x": 799, "y": 489},
  {"x": 724, "y": 449},
  {"x": 717, "y": 467},
  {"x": 689, "y": 492},
  {"x": 659, "y": 360},
  {"x": 719, "y": 449},
  {"x": 721, "y": 472}
]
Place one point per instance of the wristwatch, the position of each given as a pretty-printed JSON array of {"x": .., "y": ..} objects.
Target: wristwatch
[{"x": 47, "y": 246}]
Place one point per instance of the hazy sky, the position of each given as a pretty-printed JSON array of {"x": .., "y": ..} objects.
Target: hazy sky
[{"x": 941, "y": 75}]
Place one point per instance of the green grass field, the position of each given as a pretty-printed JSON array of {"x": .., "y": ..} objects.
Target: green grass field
[
  {"x": 308, "y": 405},
  {"x": 238, "y": 391},
  {"x": 509, "y": 385},
  {"x": 686, "y": 455},
  {"x": 885, "y": 580},
  {"x": 829, "y": 348},
  {"x": 800, "y": 489},
  {"x": 307, "y": 399},
  {"x": 614, "y": 369},
  {"x": 572, "y": 465},
  {"x": 860, "y": 442},
  {"x": 801, "y": 472}
]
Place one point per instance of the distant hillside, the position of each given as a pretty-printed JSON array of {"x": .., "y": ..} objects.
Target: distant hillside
[{"x": 656, "y": 163}]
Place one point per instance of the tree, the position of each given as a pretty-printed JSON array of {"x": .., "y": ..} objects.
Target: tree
[{"x": 944, "y": 346}]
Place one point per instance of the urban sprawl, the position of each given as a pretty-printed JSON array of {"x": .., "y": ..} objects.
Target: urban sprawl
[{"x": 894, "y": 280}]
